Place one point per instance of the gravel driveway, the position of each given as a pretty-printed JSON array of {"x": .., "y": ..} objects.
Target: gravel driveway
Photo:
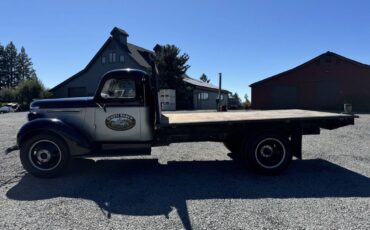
[{"x": 193, "y": 186}]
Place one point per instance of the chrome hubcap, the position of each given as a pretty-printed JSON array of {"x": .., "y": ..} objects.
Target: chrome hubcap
[
  {"x": 45, "y": 155},
  {"x": 270, "y": 153},
  {"x": 266, "y": 151}
]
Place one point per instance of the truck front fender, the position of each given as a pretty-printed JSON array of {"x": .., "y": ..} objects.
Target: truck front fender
[{"x": 79, "y": 143}]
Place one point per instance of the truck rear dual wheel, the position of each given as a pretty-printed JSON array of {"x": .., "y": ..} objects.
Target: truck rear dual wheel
[
  {"x": 44, "y": 155},
  {"x": 268, "y": 153}
]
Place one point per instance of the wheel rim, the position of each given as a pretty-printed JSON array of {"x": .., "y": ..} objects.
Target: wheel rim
[
  {"x": 45, "y": 155},
  {"x": 270, "y": 153}
]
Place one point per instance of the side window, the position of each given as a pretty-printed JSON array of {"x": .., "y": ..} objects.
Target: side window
[
  {"x": 203, "y": 96},
  {"x": 103, "y": 60},
  {"x": 119, "y": 89},
  {"x": 112, "y": 57},
  {"x": 121, "y": 58}
]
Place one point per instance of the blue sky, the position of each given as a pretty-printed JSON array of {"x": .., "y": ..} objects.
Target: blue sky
[{"x": 245, "y": 40}]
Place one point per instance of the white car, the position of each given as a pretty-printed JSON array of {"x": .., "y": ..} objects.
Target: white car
[
  {"x": 9, "y": 108},
  {"x": 6, "y": 109}
]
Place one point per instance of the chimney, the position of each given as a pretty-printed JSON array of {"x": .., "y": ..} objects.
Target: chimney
[{"x": 119, "y": 35}]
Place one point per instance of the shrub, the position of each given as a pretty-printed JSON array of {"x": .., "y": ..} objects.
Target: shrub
[
  {"x": 29, "y": 90},
  {"x": 247, "y": 104}
]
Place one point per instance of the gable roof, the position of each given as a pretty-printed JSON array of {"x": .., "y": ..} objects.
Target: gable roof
[
  {"x": 326, "y": 54},
  {"x": 141, "y": 56},
  {"x": 86, "y": 68},
  {"x": 137, "y": 53}
]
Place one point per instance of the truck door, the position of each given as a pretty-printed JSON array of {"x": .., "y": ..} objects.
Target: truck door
[{"x": 119, "y": 109}]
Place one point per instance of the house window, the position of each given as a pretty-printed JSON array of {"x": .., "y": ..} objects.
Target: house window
[
  {"x": 112, "y": 57},
  {"x": 103, "y": 60},
  {"x": 202, "y": 96},
  {"x": 121, "y": 58}
]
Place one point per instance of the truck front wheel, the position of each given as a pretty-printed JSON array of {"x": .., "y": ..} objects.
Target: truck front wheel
[
  {"x": 44, "y": 155},
  {"x": 267, "y": 153}
]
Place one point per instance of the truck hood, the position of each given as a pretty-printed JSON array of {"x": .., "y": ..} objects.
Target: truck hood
[{"x": 73, "y": 102}]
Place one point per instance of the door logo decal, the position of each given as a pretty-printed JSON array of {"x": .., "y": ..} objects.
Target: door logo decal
[{"x": 120, "y": 122}]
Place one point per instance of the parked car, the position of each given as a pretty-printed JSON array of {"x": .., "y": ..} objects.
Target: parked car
[{"x": 9, "y": 108}]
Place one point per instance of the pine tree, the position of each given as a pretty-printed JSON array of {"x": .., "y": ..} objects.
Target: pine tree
[
  {"x": 24, "y": 66},
  {"x": 2, "y": 67},
  {"x": 10, "y": 74},
  {"x": 172, "y": 67},
  {"x": 204, "y": 78}
]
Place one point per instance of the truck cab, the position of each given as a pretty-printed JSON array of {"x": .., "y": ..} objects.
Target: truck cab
[
  {"x": 120, "y": 111},
  {"x": 121, "y": 115}
]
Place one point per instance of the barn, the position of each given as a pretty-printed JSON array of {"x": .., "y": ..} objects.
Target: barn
[
  {"x": 118, "y": 53},
  {"x": 325, "y": 82}
]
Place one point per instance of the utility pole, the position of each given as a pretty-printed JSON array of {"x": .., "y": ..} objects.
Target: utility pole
[{"x": 219, "y": 92}]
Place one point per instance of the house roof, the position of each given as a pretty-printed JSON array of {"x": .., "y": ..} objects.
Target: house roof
[
  {"x": 121, "y": 31},
  {"x": 137, "y": 53},
  {"x": 326, "y": 54},
  {"x": 141, "y": 56},
  {"x": 201, "y": 84}
]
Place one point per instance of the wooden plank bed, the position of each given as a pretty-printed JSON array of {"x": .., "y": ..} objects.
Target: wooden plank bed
[{"x": 178, "y": 118}]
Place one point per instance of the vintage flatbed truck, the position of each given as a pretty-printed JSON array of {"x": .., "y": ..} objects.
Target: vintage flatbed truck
[{"x": 124, "y": 117}]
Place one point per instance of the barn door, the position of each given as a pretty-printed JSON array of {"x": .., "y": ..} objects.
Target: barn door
[
  {"x": 328, "y": 95},
  {"x": 284, "y": 97}
]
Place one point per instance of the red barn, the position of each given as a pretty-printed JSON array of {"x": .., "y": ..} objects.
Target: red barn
[{"x": 323, "y": 83}]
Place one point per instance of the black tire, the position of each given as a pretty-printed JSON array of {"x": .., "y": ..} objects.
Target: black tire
[
  {"x": 268, "y": 153},
  {"x": 44, "y": 155}
]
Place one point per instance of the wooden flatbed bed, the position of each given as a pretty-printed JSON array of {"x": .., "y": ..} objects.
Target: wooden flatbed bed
[
  {"x": 234, "y": 126},
  {"x": 188, "y": 118}
]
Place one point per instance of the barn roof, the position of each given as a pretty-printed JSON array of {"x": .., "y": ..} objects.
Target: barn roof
[{"x": 326, "y": 54}]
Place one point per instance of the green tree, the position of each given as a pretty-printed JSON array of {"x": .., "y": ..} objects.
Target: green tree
[
  {"x": 246, "y": 97},
  {"x": 247, "y": 104},
  {"x": 28, "y": 90},
  {"x": 204, "y": 78},
  {"x": 24, "y": 66},
  {"x": 2, "y": 67},
  {"x": 172, "y": 67},
  {"x": 236, "y": 97},
  {"x": 10, "y": 58},
  {"x": 7, "y": 95}
]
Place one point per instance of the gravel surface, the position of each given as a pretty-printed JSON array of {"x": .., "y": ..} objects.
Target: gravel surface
[{"x": 193, "y": 186}]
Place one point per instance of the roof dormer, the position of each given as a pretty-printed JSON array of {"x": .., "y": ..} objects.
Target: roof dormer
[{"x": 119, "y": 35}]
